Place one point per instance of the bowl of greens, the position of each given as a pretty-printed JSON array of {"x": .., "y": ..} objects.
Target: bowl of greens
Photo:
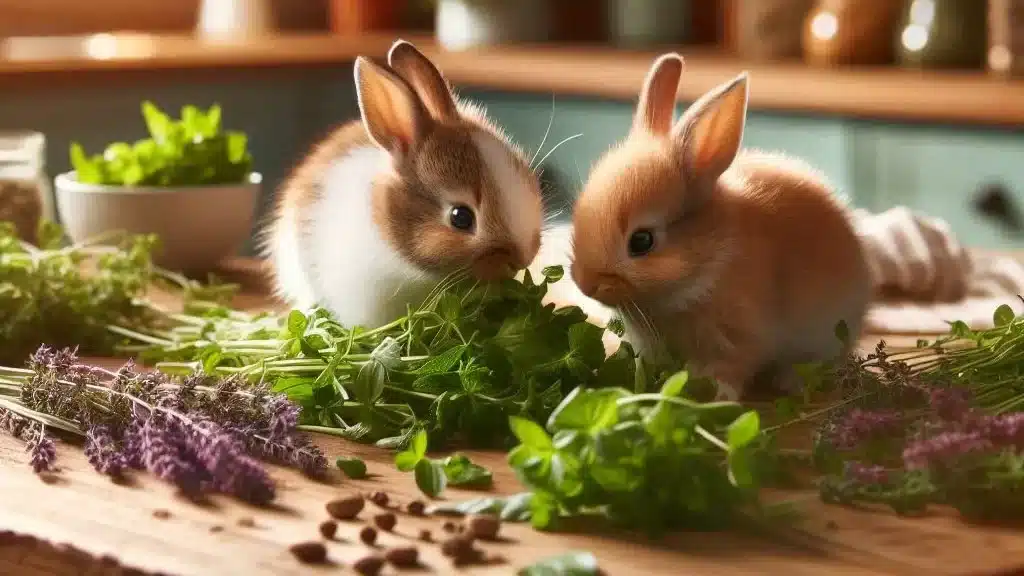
[{"x": 190, "y": 183}]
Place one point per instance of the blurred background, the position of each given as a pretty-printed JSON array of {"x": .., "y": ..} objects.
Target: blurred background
[{"x": 899, "y": 102}]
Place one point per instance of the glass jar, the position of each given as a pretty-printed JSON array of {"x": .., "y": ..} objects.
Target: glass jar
[{"x": 25, "y": 191}]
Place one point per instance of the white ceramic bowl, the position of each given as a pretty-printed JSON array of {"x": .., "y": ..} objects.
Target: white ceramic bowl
[{"x": 198, "y": 226}]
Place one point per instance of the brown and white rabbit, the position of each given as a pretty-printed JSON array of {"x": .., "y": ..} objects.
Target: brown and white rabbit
[
  {"x": 740, "y": 263},
  {"x": 422, "y": 187}
]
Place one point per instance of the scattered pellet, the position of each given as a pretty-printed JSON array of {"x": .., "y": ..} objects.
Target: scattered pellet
[
  {"x": 328, "y": 528},
  {"x": 369, "y": 565},
  {"x": 457, "y": 546},
  {"x": 309, "y": 552},
  {"x": 426, "y": 536},
  {"x": 484, "y": 526},
  {"x": 216, "y": 528},
  {"x": 161, "y": 514},
  {"x": 416, "y": 508},
  {"x": 403, "y": 557},
  {"x": 368, "y": 535},
  {"x": 385, "y": 521},
  {"x": 831, "y": 525},
  {"x": 247, "y": 522},
  {"x": 345, "y": 508},
  {"x": 449, "y": 526},
  {"x": 380, "y": 498}
]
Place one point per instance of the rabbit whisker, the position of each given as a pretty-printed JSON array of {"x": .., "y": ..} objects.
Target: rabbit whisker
[
  {"x": 551, "y": 120},
  {"x": 557, "y": 146}
]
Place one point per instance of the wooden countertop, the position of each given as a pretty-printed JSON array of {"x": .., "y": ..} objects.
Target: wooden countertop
[
  {"x": 595, "y": 71},
  {"x": 85, "y": 510}
]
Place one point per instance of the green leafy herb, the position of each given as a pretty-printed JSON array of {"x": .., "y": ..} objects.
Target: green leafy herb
[
  {"x": 650, "y": 461},
  {"x": 456, "y": 367},
  {"x": 192, "y": 151},
  {"x": 433, "y": 475},
  {"x": 515, "y": 508},
  {"x": 353, "y": 467},
  {"x": 463, "y": 473},
  {"x": 568, "y": 564},
  {"x": 430, "y": 477},
  {"x": 48, "y": 294}
]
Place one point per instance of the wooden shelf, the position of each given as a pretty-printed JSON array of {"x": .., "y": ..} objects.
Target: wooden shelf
[{"x": 885, "y": 94}]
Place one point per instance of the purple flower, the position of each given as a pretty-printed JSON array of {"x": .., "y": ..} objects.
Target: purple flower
[
  {"x": 166, "y": 453},
  {"x": 944, "y": 448},
  {"x": 294, "y": 451},
  {"x": 101, "y": 448},
  {"x": 42, "y": 452},
  {"x": 232, "y": 470},
  {"x": 1005, "y": 430},
  {"x": 283, "y": 416},
  {"x": 866, "y": 474},
  {"x": 950, "y": 404},
  {"x": 858, "y": 426}
]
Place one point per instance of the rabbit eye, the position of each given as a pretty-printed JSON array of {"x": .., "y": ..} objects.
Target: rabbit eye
[
  {"x": 641, "y": 242},
  {"x": 462, "y": 218}
]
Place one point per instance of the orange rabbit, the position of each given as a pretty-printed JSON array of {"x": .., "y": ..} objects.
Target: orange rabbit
[{"x": 741, "y": 263}]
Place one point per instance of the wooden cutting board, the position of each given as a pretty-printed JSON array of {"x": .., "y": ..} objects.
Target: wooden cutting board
[{"x": 128, "y": 522}]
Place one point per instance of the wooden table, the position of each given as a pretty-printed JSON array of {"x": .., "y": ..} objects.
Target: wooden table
[{"x": 98, "y": 517}]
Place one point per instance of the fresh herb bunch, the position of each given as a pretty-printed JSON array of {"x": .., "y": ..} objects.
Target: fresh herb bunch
[
  {"x": 656, "y": 462},
  {"x": 191, "y": 151},
  {"x": 909, "y": 438},
  {"x": 201, "y": 433},
  {"x": 457, "y": 366},
  {"x": 67, "y": 295}
]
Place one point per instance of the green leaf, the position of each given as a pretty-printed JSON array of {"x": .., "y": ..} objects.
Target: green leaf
[
  {"x": 156, "y": 121},
  {"x": 237, "y": 143},
  {"x": 567, "y": 564},
  {"x": 86, "y": 171},
  {"x": 443, "y": 362},
  {"x": 673, "y": 387},
  {"x": 530, "y": 433},
  {"x": 296, "y": 323},
  {"x": 587, "y": 410},
  {"x": 1003, "y": 315},
  {"x": 619, "y": 370},
  {"x": 741, "y": 468},
  {"x": 369, "y": 382},
  {"x": 461, "y": 472},
  {"x": 616, "y": 326},
  {"x": 743, "y": 430},
  {"x": 388, "y": 353},
  {"x": 430, "y": 477},
  {"x": 960, "y": 329},
  {"x": 354, "y": 468},
  {"x": 515, "y": 508},
  {"x": 553, "y": 273},
  {"x": 407, "y": 460},
  {"x": 418, "y": 446}
]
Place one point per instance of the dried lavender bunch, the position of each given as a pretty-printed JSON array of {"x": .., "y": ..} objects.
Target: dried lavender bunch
[
  {"x": 200, "y": 433},
  {"x": 916, "y": 441}
]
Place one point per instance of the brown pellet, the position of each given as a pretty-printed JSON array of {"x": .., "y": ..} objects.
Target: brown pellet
[
  {"x": 831, "y": 525},
  {"x": 457, "y": 546},
  {"x": 161, "y": 514},
  {"x": 449, "y": 526},
  {"x": 484, "y": 526},
  {"x": 369, "y": 565},
  {"x": 216, "y": 528},
  {"x": 385, "y": 521},
  {"x": 368, "y": 535},
  {"x": 247, "y": 522},
  {"x": 380, "y": 498},
  {"x": 426, "y": 536},
  {"x": 403, "y": 557},
  {"x": 345, "y": 508},
  {"x": 309, "y": 552},
  {"x": 328, "y": 528},
  {"x": 416, "y": 508}
]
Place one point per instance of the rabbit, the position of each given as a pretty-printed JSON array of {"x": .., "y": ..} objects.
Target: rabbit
[
  {"x": 423, "y": 188},
  {"x": 740, "y": 263}
]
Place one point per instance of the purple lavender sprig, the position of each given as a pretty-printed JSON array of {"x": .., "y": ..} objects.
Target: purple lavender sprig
[
  {"x": 200, "y": 433},
  {"x": 42, "y": 452}
]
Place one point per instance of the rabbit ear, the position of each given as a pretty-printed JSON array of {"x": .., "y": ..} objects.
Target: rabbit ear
[
  {"x": 393, "y": 116},
  {"x": 710, "y": 132},
  {"x": 657, "y": 103},
  {"x": 426, "y": 80}
]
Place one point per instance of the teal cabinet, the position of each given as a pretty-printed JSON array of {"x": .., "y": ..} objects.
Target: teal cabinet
[{"x": 938, "y": 170}]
